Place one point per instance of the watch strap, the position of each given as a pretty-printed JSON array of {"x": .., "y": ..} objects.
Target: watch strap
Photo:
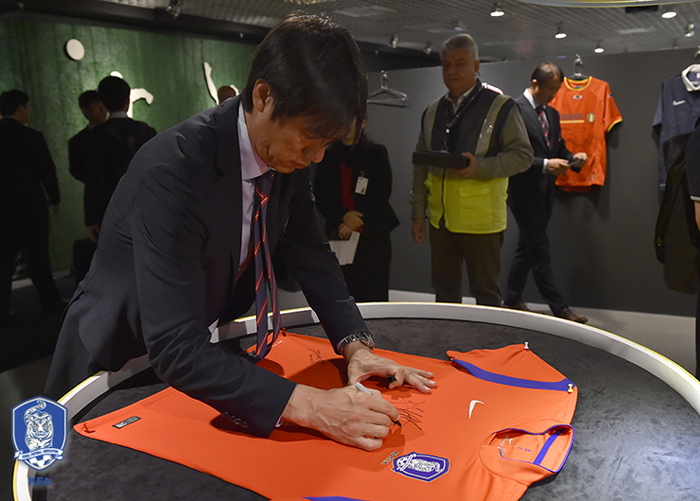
[{"x": 364, "y": 337}]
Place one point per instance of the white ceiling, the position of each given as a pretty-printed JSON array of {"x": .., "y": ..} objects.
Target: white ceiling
[{"x": 526, "y": 31}]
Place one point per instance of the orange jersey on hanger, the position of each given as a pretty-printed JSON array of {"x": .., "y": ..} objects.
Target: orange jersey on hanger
[
  {"x": 587, "y": 111},
  {"x": 498, "y": 421}
]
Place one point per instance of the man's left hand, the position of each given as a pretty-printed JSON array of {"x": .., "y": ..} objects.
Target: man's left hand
[
  {"x": 580, "y": 160},
  {"x": 363, "y": 364}
]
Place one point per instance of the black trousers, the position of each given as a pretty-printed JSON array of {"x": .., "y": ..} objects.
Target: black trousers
[
  {"x": 31, "y": 237},
  {"x": 532, "y": 254},
  {"x": 367, "y": 277},
  {"x": 481, "y": 255}
]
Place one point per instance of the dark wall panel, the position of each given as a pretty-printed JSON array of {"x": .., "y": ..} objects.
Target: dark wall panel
[
  {"x": 602, "y": 241},
  {"x": 168, "y": 66}
]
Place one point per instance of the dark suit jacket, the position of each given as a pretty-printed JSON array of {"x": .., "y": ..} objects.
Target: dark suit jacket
[
  {"x": 109, "y": 148},
  {"x": 522, "y": 187},
  {"x": 26, "y": 170},
  {"x": 77, "y": 150},
  {"x": 372, "y": 161},
  {"x": 167, "y": 257}
]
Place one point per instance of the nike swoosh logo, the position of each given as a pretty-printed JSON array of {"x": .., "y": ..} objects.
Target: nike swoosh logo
[
  {"x": 472, "y": 404},
  {"x": 677, "y": 103}
]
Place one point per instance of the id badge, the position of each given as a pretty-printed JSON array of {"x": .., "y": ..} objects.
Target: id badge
[{"x": 361, "y": 186}]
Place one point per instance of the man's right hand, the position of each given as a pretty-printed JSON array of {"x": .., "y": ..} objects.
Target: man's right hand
[
  {"x": 345, "y": 415},
  {"x": 557, "y": 166},
  {"x": 93, "y": 232},
  {"x": 419, "y": 229}
]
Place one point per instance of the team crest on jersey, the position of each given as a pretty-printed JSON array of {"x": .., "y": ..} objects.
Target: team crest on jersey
[
  {"x": 591, "y": 118},
  {"x": 421, "y": 466},
  {"x": 39, "y": 432}
]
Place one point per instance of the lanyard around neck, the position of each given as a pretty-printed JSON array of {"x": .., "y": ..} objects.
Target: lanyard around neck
[{"x": 465, "y": 103}]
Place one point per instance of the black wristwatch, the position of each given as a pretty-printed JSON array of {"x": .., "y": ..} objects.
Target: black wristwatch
[{"x": 363, "y": 337}]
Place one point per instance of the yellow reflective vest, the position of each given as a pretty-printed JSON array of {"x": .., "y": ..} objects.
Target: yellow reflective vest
[{"x": 467, "y": 205}]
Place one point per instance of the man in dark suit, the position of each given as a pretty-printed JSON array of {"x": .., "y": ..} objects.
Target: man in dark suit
[
  {"x": 26, "y": 170},
  {"x": 531, "y": 193},
  {"x": 95, "y": 112},
  {"x": 172, "y": 260},
  {"x": 78, "y": 147},
  {"x": 111, "y": 147}
]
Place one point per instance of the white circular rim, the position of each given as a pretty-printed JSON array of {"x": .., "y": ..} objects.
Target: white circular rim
[{"x": 668, "y": 371}]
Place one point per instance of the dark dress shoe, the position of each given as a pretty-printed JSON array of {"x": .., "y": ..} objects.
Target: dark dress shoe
[
  {"x": 517, "y": 306},
  {"x": 567, "y": 314}
]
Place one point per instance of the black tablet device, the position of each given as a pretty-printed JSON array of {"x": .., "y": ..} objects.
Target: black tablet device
[{"x": 440, "y": 159}]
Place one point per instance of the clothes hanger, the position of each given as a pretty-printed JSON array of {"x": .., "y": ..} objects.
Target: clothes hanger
[
  {"x": 692, "y": 72},
  {"x": 395, "y": 98},
  {"x": 578, "y": 69},
  {"x": 696, "y": 64}
]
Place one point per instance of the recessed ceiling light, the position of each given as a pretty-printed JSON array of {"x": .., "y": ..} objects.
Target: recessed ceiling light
[
  {"x": 497, "y": 11},
  {"x": 689, "y": 30},
  {"x": 669, "y": 14}
]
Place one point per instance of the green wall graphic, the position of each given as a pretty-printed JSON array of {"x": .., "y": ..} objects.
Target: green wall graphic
[{"x": 169, "y": 67}]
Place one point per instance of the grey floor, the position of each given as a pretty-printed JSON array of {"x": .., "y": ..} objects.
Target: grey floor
[{"x": 671, "y": 336}]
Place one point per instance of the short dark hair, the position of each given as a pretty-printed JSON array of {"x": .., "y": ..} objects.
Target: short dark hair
[
  {"x": 545, "y": 71},
  {"x": 314, "y": 69},
  {"x": 87, "y": 98},
  {"x": 10, "y": 100},
  {"x": 114, "y": 92}
]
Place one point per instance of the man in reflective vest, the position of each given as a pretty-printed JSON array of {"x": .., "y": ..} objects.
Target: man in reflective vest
[{"x": 467, "y": 208}]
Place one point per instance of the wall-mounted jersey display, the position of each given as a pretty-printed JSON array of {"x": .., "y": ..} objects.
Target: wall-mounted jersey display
[
  {"x": 588, "y": 111},
  {"x": 677, "y": 110}
]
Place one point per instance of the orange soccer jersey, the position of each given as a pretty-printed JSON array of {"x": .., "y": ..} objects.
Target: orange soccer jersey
[
  {"x": 498, "y": 421},
  {"x": 587, "y": 111}
]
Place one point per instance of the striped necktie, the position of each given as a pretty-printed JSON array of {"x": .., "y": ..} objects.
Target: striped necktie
[
  {"x": 543, "y": 123},
  {"x": 264, "y": 274}
]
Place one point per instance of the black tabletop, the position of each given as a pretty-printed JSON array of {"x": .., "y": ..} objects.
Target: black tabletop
[{"x": 636, "y": 438}]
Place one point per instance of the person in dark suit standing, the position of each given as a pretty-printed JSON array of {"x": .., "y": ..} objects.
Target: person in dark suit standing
[
  {"x": 95, "y": 113},
  {"x": 692, "y": 170},
  {"x": 111, "y": 147},
  {"x": 352, "y": 188},
  {"x": 78, "y": 148},
  {"x": 174, "y": 256},
  {"x": 531, "y": 193},
  {"x": 26, "y": 170}
]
